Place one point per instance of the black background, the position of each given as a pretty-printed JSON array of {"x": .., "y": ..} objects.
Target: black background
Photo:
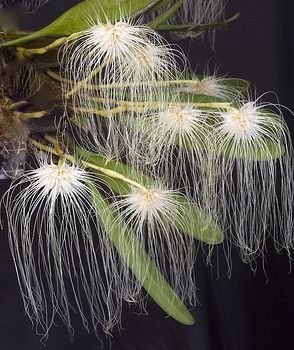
[{"x": 246, "y": 312}]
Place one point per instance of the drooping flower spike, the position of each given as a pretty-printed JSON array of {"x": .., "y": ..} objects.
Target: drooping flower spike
[
  {"x": 179, "y": 134},
  {"x": 162, "y": 218},
  {"x": 156, "y": 217}
]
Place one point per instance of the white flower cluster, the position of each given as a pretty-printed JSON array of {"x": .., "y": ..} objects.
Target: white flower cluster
[{"x": 169, "y": 152}]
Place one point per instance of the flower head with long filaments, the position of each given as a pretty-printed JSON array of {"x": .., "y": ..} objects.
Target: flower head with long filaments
[
  {"x": 58, "y": 245},
  {"x": 155, "y": 215},
  {"x": 115, "y": 54},
  {"x": 249, "y": 123},
  {"x": 254, "y": 149},
  {"x": 237, "y": 164},
  {"x": 110, "y": 62},
  {"x": 177, "y": 159}
]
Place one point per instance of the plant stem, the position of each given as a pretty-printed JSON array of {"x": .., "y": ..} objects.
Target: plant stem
[
  {"x": 159, "y": 83},
  {"x": 114, "y": 174},
  {"x": 42, "y": 50},
  {"x": 81, "y": 83},
  {"x": 141, "y": 107},
  {"x": 43, "y": 147}
]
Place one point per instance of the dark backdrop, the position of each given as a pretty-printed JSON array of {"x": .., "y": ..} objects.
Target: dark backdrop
[{"x": 246, "y": 312}]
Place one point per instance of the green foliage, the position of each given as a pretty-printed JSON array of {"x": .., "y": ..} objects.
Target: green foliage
[
  {"x": 77, "y": 18},
  {"x": 162, "y": 4},
  {"x": 194, "y": 222}
]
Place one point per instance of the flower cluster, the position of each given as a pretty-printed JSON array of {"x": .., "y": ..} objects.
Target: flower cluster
[{"x": 148, "y": 164}]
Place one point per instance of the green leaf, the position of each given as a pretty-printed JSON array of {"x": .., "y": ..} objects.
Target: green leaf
[
  {"x": 255, "y": 151},
  {"x": 193, "y": 98},
  {"x": 191, "y": 220},
  {"x": 240, "y": 85},
  {"x": 76, "y": 19},
  {"x": 196, "y": 28},
  {"x": 165, "y": 15},
  {"x": 144, "y": 269},
  {"x": 146, "y": 8}
]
